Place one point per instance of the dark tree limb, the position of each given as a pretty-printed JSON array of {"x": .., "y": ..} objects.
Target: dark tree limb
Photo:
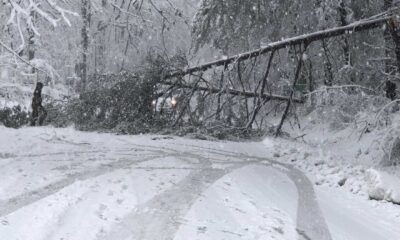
[
  {"x": 186, "y": 105},
  {"x": 260, "y": 102},
  {"x": 289, "y": 101},
  {"x": 217, "y": 117},
  {"x": 328, "y": 66},
  {"x": 220, "y": 109},
  {"x": 239, "y": 71}
]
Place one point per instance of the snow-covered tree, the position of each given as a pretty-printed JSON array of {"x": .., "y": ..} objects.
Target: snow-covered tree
[
  {"x": 23, "y": 28},
  {"x": 24, "y": 17}
]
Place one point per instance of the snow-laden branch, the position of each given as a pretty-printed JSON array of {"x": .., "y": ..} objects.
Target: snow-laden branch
[
  {"x": 384, "y": 108},
  {"x": 20, "y": 33},
  {"x": 21, "y": 59},
  {"x": 124, "y": 11},
  {"x": 63, "y": 12},
  {"x": 23, "y": 12},
  {"x": 325, "y": 89}
]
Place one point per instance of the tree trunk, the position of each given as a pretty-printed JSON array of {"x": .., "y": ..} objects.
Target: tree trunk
[
  {"x": 221, "y": 82},
  {"x": 85, "y": 42},
  {"x": 394, "y": 28},
  {"x": 343, "y": 22},
  {"x": 31, "y": 42},
  {"x": 391, "y": 36},
  {"x": 387, "y": 4},
  {"x": 346, "y": 44},
  {"x": 327, "y": 66}
]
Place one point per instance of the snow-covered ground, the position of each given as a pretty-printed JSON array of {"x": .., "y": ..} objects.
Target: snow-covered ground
[
  {"x": 70, "y": 185},
  {"x": 17, "y": 91}
]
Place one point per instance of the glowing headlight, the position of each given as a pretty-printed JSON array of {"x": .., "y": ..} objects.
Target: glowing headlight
[{"x": 173, "y": 102}]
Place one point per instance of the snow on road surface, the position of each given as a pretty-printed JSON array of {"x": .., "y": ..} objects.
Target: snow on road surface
[
  {"x": 64, "y": 184},
  {"x": 350, "y": 218},
  {"x": 236, "y": 208}
]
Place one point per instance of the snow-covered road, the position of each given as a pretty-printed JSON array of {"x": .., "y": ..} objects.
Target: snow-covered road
[{"x": 65, "y": 184}]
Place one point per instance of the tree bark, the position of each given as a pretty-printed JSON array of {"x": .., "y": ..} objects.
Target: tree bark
[
  {"x": 394, "y": 28},
  {"x": 343, "y": 22},
  {"x": 85, "y": 42},
  {"x": 328, "y": 66},
  {"x": 31, "y": 42},
  {"x": 387, "y": 4},
  {"x": 221, "y": 81}
]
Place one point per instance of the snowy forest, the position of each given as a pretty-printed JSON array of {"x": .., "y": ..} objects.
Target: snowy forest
[
  {"x": 120, "y": 66},
  {"x": 199, "y": 119}
]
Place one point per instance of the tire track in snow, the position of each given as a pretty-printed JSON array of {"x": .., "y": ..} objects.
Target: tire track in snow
[
  {"x": 22, "y": 200},
  {"x": 160, "y": 214},
  {"x": 13, "y": 204},
  {"x": 311, "y": 224},
  {"x": 158, "y": 218}
]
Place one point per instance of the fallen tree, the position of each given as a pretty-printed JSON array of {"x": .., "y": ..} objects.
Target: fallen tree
[
  {"x": 259, "y": 94},
  {"x": 361, "y": 25}
]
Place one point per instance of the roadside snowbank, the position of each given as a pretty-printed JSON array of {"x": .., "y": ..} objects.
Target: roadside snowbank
[{"x": 383, "y": 186}]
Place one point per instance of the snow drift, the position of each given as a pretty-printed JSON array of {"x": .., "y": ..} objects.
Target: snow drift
[{"x": 383, "y": 186}]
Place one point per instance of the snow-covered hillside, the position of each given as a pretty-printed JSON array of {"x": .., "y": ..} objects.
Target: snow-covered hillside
[{"x": 65, "y": 184}]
